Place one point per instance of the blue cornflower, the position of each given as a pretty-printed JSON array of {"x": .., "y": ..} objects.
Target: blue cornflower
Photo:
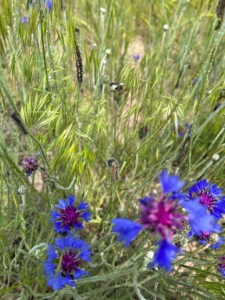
[
  {"x": 198, "y": 218},
  {"x": 161, "y": 216},
  {"x": 64, "y": 259},
  {"x": 170, "y": 184},
  {"x": 25, "y": 20},
  {"x": 68, "y": 217},
  {"x": 127, "y": 230},
  {"x": 164, "y": 255},
  {"x": 210, "y": 196}
]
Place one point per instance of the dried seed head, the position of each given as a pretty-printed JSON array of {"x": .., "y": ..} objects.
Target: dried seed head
[
  {"x": 117, "y": 89},
  {"x": 214, "y": 238},
  {"x": 47, "y": 178},
  {"x": 114, "y": 165},
  {"x": 143, "y": 132},
  {"x": 16, "y": 242}
]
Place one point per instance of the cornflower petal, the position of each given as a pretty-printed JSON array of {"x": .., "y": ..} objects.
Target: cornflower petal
[
  {"x": 127, "y": 230},
  {"x": 198, "y": 218},
  {"x": 170, "y": 184},
  {"x": 51, "y": 253},
  {"x": 165, "y": 254}
]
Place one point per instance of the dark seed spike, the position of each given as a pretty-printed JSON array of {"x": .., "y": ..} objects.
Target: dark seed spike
[
  {"x": 178, "y": 79},
  {"x": 78, "y": 57},
  {"x": 19, "y": 123}
]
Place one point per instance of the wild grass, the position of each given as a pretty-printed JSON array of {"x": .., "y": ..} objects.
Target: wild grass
[{"x": 77, "y": 125}]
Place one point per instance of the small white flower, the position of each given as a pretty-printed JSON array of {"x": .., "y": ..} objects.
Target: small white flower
[
  {"x": 108, "y": 51},
  {"x": 215, "y": 157},
  {"x": 166, "y": 27},
  {"x": 102, "y": 10}
]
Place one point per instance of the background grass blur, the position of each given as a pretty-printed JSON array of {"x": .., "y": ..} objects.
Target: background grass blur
[{"x": 178, "y": 79}]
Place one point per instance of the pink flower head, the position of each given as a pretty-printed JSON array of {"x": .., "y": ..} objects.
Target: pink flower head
[{"x": 163, "y": 216}]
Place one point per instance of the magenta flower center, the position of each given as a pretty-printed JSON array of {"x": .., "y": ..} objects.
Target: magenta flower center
[
  {"x": 162, "y": 217},
  {"x": 207, "y": 200},
  {"x": 70, "y": 262},
  {"x": 70, "y": 216},
  {"x": 205, "y": 236}
]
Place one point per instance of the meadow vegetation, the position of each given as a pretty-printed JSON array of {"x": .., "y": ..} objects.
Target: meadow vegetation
[{"x": 166, "y": 62}]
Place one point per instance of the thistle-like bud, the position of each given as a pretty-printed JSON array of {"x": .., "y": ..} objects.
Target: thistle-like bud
[
  {"x": 30, "y": 165},
  {"x": 214, "y": 238}
]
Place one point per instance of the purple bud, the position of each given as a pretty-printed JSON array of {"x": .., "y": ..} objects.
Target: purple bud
[
  {"x": 25, "y": 20},
  {"x": 136, "y": 57}
]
